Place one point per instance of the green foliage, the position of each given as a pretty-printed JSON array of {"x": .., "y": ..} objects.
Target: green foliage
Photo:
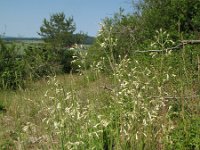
[
  {"x": 128, "y": 111},
  {"x": 116, "y": 35},
  {"x": 165, "y": 73},
  {"x": 146, "y": 101},
  {"x": 178, "y": 17},
  {"x": 12, "y": 68},
  {"x": 7, "y": 144},
  {"x": 79, "y": 38},
  {"x": 123, "y": 34},
  {"x": 66, "y": 61},
  {"x": 2, "y": 107},
  {"x": 34, "y": 62},
  {"x": 58, "y": 30},
  {"x": 40, "y": 61},
  {"x": 186, "y": 135}
]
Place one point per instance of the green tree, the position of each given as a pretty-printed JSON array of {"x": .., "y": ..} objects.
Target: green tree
[
  {"x": 179, "y": 17},
  {"x": 58, "y": 31},
  {"x": 80, "y": 37},
  {"x": 12, "y": 67}
]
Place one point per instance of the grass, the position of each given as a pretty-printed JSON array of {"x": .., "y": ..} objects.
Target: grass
[
  {"x": 130, "y": 109},
  {"x": 25, "y": 109},
  {"x": 144, "y": 104}
]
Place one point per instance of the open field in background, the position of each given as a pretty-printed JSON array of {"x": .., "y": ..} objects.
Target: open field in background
[{"x": 21, "y": 45}]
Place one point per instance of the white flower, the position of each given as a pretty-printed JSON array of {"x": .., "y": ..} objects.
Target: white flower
[
  {"x": 74, "y": 57},
  {"x": 104, "y": 123},
  {"x": 144, "y": 122},
  {"x": 136, "y": 136},
  {"x": 59, "y": 106},
  {"x": 25, "y": 128},
  {"x": 58, "y": 90},
  {"x": 103, "y": 45},
  {"x": 56, "y": 125},
  {"x": 46, "y": 93}
]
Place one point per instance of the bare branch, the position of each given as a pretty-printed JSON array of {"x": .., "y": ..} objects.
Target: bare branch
[{"x": 191, "y": 42}]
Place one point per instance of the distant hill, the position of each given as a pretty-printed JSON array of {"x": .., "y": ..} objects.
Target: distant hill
[
  {"x": 88, "y": 40},
  {"x": 9, "y": 38}
]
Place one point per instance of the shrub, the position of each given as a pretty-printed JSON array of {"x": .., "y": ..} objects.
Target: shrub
[
  {"x": 67, "y": 56},
  {"x": 40, "y": 61},
  {"x": 12, "y": 68}
]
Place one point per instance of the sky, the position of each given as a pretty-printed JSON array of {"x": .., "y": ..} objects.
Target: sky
[{"x": 23, "y": 18}]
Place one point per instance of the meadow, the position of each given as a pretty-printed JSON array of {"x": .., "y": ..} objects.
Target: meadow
[
  {"x": 136, "y": 87},
  {"x": 150, "y": 101}
]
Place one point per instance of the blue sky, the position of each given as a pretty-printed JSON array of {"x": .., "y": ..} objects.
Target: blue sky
[{"x": 23, "y": 18}]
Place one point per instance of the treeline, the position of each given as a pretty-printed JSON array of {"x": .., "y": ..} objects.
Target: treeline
[
  {"x": 88, "y": 40},
  {"x": 41, "y": 59},
  {"x": 137, "y": 30},
  {"x": 21, "y": 39},
  {"x": 52, "y": 55}
]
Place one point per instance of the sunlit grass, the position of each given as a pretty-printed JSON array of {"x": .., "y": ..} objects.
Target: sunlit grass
[
  {"x": 123, "y": 110},
  {"x": 138, "y": 104}
]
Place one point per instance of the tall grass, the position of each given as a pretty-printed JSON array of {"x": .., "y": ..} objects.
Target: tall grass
[{"x": 140, "y": 104}]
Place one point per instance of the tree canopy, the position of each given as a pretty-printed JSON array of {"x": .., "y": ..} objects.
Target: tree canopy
[
  {"x": 175, "y": 16},
  {"x": 58, "y": 30},
  {"x": 136, "y": 30}
]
